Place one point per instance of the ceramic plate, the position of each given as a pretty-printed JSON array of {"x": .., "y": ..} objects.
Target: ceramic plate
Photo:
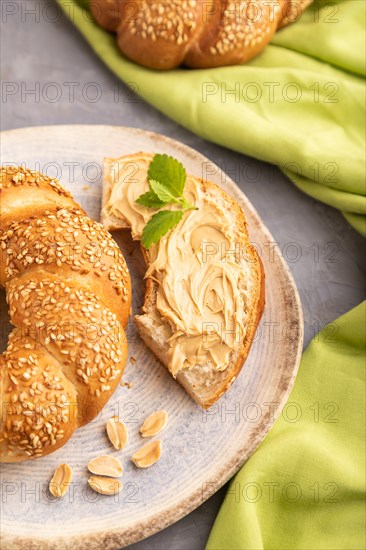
[{"x": 201, "y": 450}]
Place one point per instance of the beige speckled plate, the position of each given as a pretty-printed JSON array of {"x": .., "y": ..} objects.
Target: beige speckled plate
[{"x": 201, "y": 450}]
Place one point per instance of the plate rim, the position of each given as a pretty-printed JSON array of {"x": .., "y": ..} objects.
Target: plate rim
[{"x": 121, "y": 537}]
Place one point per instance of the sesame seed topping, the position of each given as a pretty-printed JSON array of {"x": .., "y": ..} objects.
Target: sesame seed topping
[
  {"x": 89, "y": 249},
  {"x": 175, "y": 21},
  {"x": 63, "y": 349},
  {"x": 15, "y": 176}
]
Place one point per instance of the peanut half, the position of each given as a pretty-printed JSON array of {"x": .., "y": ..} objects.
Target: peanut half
[
  {"x": 154, "y": 424},
  {"x": 105, "y": 485},
  {"x": 105, "y": 465},
  {"x": 60, "y": 482},
  {"x": 117, "y": 433},
  {"x": 147, "y": 455}
]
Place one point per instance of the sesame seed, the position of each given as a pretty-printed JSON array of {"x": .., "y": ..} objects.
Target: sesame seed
[{"x": 55, "y": 315}]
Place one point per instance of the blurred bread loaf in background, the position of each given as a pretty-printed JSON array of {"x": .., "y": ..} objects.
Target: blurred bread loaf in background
[{"x": 195, "y": 33}]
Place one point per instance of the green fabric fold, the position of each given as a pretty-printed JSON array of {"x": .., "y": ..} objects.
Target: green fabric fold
[
  {"x": 299, "y": 105},
  {"x": 304, "y": 487}
]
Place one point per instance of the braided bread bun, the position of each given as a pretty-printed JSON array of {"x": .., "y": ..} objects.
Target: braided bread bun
[
  {"x": 69, "y": 296},
  {"x": 197, "y": 33}
]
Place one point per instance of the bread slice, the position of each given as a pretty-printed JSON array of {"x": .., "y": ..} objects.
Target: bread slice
[{"x": 203, "y": 382}]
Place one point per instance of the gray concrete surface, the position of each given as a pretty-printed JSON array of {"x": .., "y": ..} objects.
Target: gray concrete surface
[{"x": 329, "y": 270}]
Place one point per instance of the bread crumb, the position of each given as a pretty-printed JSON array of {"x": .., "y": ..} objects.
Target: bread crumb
[
  {"x": 132, "y": 359},
  {"x": 85, "y": 187}
]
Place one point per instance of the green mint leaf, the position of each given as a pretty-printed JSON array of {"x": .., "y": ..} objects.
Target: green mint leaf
[
  {"x": 162, "y": 192},
  {"x": 159, "y": 225},
  {"x": 169, "y": 172},
  {"x": 150, "y": 200}
]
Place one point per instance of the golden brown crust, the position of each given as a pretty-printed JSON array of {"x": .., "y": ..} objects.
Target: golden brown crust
[
  {"x": 39, "y": 411},
  {"x": 67, "y": 240},
  {"x": 292, "y": 11},
  {"x": 69, "y": 296},
  {"x": 198, "y": 33},
  {"x": 158, "y": 35},
  {"x": 30, "y": 193},
  {"x": 237, "y": 32},
  {"x": 108, "y": 13}
]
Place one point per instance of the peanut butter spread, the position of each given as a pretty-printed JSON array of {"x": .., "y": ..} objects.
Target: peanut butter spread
[{"x": 200, "y": 280}]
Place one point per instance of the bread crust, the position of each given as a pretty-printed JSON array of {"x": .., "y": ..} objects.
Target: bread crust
[
  {"x": 160, "y": 49},
  {"x": 204, "y": 396},
  {"x": 107, "y": 13},
  {"x": 199, "y": 34},
  {"x": 69, "y": 296}
]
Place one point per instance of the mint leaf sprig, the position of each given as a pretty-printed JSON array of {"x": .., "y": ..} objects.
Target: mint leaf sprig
[{"x": 167, "y": 179}]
